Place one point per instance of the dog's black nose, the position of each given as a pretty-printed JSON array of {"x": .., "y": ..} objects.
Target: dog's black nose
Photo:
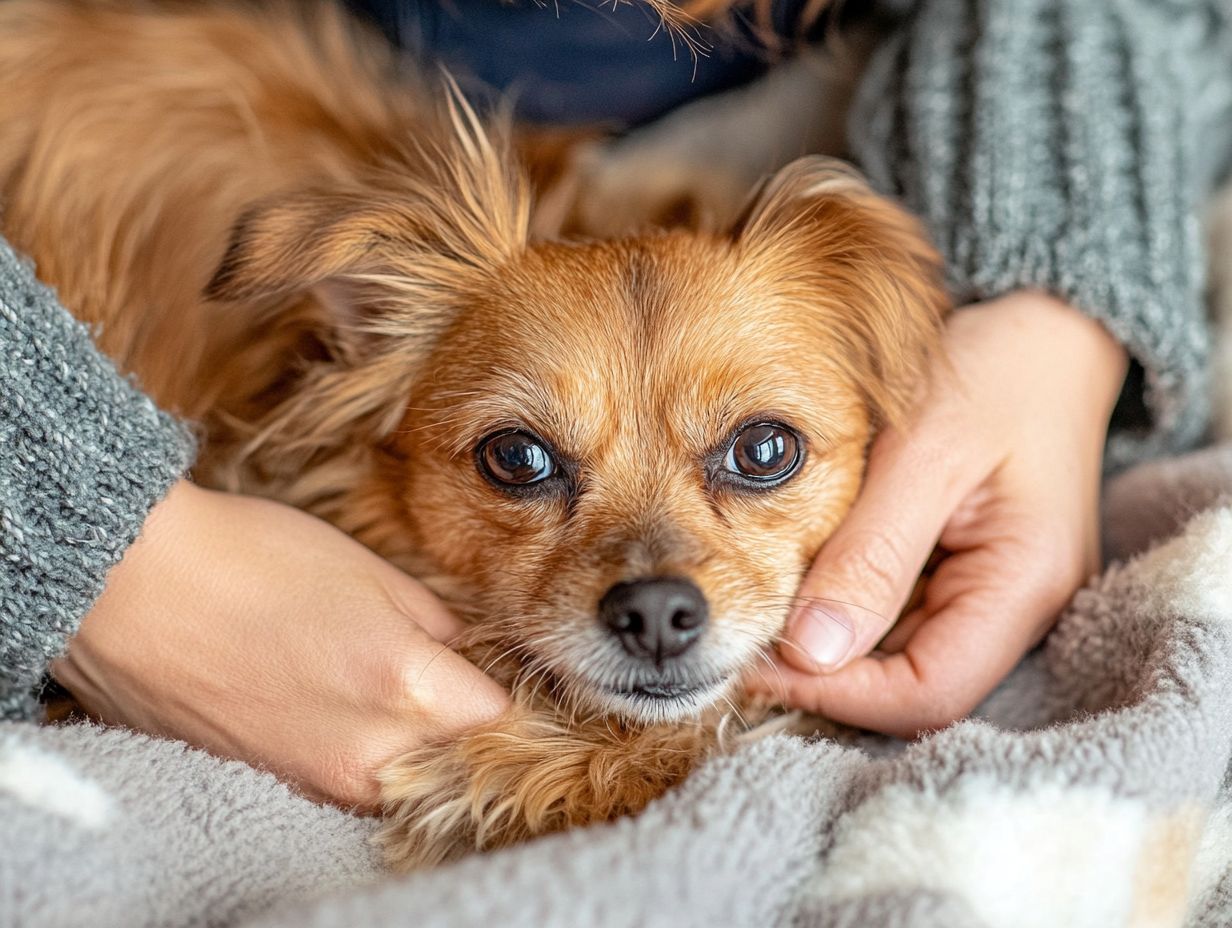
[{"x": 657, "y": 618}]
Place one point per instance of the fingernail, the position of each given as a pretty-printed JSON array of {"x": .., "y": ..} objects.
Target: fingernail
[{"x": 826, "y": 634}]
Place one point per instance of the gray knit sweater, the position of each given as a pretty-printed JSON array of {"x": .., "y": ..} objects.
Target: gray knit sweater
[
  {"x": 1062, "y": 144},
  {"x": 1067, "y": 145},
  {"x": 84, "y": 455}
]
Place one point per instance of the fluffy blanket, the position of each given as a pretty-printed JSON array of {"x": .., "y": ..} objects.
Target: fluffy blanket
[{"x": 1092, "y": 790}]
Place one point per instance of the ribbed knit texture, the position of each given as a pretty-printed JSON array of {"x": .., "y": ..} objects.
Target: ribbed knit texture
[
  {"x": 1065, "y": 145},
  {"x": 84, "y": 455}
]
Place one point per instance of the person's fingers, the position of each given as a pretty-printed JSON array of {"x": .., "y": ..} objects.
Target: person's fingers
[
  {"x": 961, "y": 648},
  {"x": 865, "y": 572}
]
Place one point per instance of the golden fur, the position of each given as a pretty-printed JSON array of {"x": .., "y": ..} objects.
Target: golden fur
[{"x": 279, "y": 233}]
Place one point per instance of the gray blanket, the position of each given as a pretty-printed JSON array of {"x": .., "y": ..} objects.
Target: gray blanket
[{"x": 1092, "y": 790}]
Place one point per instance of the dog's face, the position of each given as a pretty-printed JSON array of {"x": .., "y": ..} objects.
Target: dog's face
[
  {"x": 629, "y": 452},
  {"x": 617, "y": 458}
]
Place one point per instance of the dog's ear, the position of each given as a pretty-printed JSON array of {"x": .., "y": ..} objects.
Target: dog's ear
[
  {"x": 387, "y": 263},
  {"x": 462, "y": 208},
  {"x": 858, "y": 264}
]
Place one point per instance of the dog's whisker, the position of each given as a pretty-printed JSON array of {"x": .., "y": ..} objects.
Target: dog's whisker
[
  {"x": 489, "y": 664},
  {"x": 796, "y": 646},
  {"x": 542, "y": 677},
  {"x": 796, "y": 601},
  {"x": 423, "y": 670},
  {"x": 734, "y": 711},
  {"x": 765, "y": 658}
]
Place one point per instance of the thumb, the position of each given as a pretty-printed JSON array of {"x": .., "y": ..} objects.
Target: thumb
[{"x": 866, "y": 571}]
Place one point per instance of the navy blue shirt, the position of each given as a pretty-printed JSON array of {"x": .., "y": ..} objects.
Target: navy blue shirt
[{"x": 577, "y": 61}]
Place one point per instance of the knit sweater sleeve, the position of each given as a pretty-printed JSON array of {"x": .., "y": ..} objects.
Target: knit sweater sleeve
[
  {"x": 1064, "y": 145},
  {"x": 84, "y": 455}
]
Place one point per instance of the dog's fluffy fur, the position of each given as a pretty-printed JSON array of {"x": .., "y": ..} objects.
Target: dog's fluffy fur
[{"x": 277, "y": 229}]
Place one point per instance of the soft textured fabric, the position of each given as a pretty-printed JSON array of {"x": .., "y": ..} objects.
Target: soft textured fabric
[
  {"x": 84, "y": 455},
  {"x": 1092, "y": 791},
  {"x": 234, "y": 842}
]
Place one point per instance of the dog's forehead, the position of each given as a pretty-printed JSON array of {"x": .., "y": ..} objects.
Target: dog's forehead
[
  {"x": 671, "y": 331},
  {"x": 644, "y": 304}
]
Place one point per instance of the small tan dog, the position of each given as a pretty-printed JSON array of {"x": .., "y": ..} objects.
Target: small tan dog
[{"x": 614, "y": 458}]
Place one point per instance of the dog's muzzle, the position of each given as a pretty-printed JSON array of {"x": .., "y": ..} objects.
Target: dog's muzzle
[{"x": 656, "y": 619}]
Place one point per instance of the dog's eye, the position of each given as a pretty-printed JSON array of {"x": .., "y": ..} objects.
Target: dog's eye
[
  {"x": 764, "y": 453},
  {"x": 516, "y": 459}
]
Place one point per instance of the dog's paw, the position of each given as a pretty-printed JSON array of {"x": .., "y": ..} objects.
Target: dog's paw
[{"x": 526, "y": 776}]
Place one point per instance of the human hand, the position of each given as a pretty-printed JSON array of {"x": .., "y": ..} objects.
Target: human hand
[
  {"x": 1000, "y": 470},
  {"x": 261, "y": 633}
]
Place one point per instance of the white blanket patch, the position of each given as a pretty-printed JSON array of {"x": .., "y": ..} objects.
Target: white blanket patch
[
  {"x": 45, "y": 781},
  {"x": 1019, "y": 860},
  {"x": 1192, "y": 573},
  {"x": 1214, "y": 857}
]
